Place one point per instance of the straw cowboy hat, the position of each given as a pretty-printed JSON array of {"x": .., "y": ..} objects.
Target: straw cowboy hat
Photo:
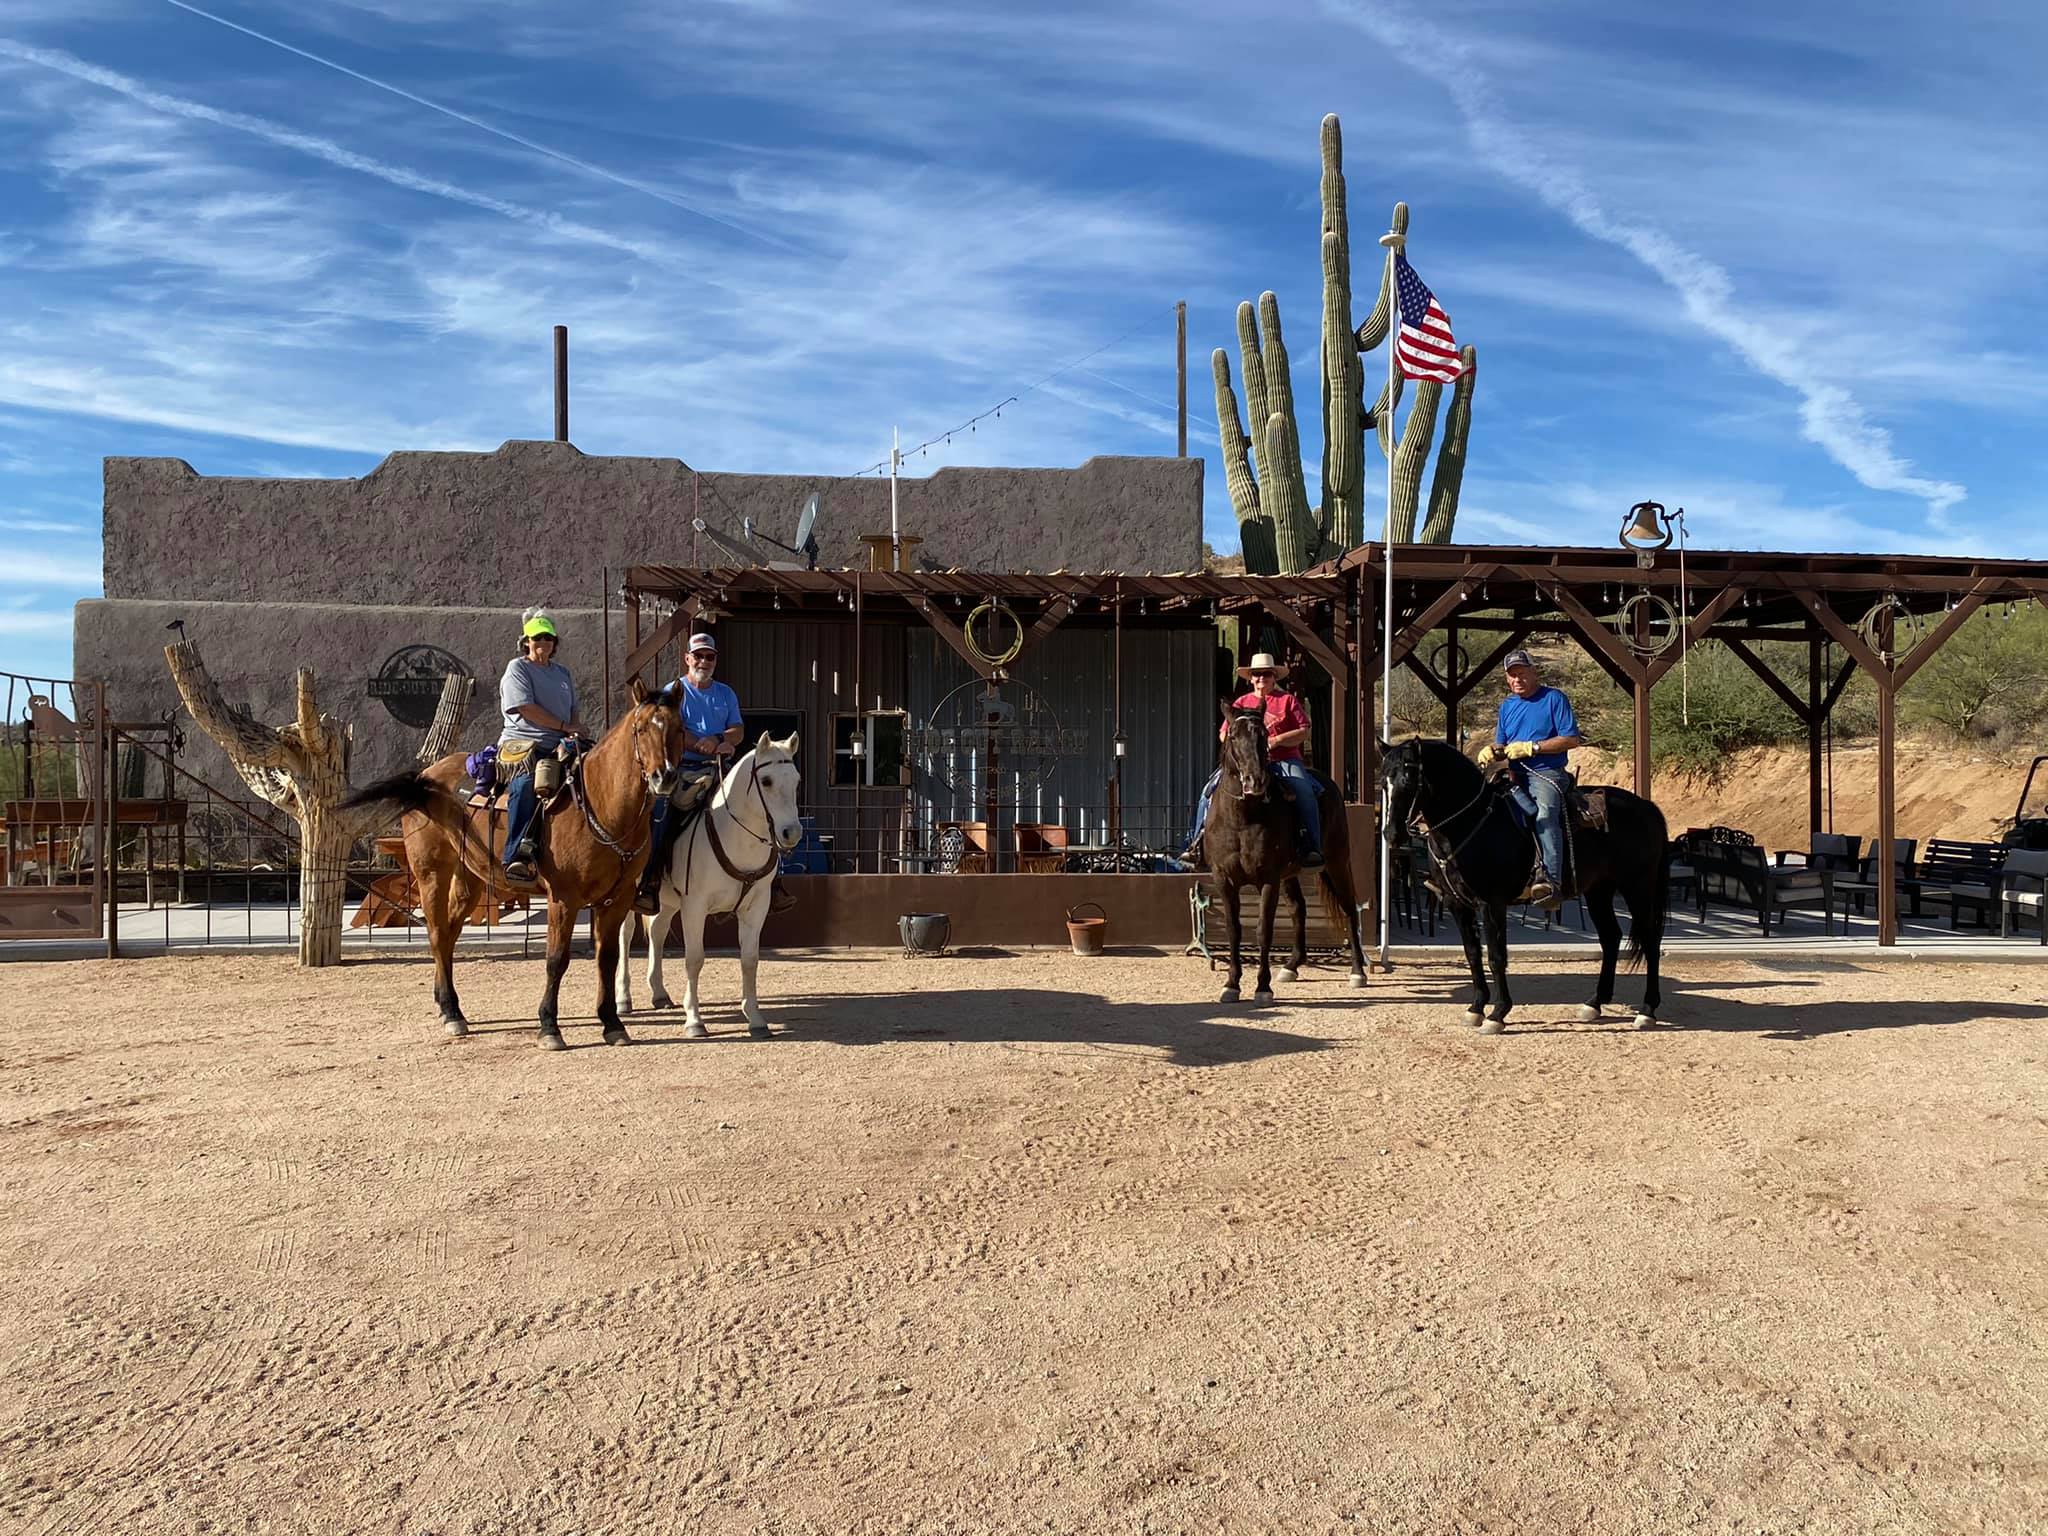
[{"x": 1263, "y": 662}]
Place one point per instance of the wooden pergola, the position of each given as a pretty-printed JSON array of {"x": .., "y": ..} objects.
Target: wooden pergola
[{"x": 1889, "y": 614}]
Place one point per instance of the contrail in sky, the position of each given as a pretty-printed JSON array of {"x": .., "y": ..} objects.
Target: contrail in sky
[
  {"x": 334, "y": 154},
  {"x": 1833, "y": 419},
  {"x": 479, "y": 124}
]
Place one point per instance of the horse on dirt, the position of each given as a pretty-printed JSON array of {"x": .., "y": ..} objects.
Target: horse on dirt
[
  {"x": 1253, "y": 837},
  {"x": 725, "y": 861},
  {"x": 594, "y": 848},
  {"x": 1484, "y": 854}
]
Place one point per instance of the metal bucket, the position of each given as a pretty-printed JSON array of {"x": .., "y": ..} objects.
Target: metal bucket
[
  {"x": 924, "y": 933},
  {"x": 1086, "y": 933}
]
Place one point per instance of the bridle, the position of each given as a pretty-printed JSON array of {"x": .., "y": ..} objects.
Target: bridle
[
  {"x": 748, "y": 878},
  {"x": 1446, "y": 857},
  {"x": 577, "y": 793}
]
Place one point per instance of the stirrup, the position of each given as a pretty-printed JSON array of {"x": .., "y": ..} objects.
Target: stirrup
[
  {"x": 780, "y": 898},
  {"x": 647, "y": 900},
  {"x": 1543, "y": 894},
  {"x": 1311, "y": 860}
]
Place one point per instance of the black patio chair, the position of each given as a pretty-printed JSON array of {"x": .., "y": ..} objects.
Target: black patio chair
[
  {"x": 2023, "y": 888},
  {"x": 1864, "y": 886}
]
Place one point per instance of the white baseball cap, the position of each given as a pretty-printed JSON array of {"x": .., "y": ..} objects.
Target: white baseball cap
[{"x": 703, "y": 643}]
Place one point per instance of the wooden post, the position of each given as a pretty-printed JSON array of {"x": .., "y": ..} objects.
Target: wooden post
[
  {"x": 606, "y": 577},
  {"x": 1180, "y": 353},
  {"x": 561, "y": 383},
  {"x": 1453, "y": 683},
  {"x": 860, "y": 763},
  {"x": 1116, "y": 731},
  {"x": 1340, "y": 703},
  {"x": 1641, "y": 690},
  {"x": 1887, "y": 819},
  {"x": 1816, "y": 682},
  {"x": 103, "y": 815}
]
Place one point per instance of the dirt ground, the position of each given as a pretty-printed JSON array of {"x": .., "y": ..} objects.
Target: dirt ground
[{"x": 1023, "y": 1243}]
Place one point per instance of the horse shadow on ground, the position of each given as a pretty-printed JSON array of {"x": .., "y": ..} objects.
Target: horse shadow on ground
[
  {"x": 1186, "y": 1034},
  {"x": 1799, "y": 1019}
]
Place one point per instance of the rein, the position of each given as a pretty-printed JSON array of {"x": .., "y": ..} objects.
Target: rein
[
  {"x": 579, "y": 793},
  {"x": 747, "y": 879},
  {"x": 1447, "y": 858}
]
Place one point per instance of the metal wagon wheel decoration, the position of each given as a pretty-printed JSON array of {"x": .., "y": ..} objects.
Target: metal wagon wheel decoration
[{"x": 993, "y": 741}]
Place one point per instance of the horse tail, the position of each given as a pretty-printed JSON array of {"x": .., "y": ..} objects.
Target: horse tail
[
  {"x": 402, "y": 791},
  {"x": 1647, "y": 927}
]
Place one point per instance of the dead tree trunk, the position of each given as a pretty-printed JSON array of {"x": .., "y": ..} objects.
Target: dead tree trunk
[{"x": 301, "y": 768}]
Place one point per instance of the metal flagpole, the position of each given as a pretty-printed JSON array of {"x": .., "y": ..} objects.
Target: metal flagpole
[{"x": 1393, "y": 240}]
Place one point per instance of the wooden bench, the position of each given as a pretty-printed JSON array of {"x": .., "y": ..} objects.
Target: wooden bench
[
  {"x": 1963, "y": 875},
  {"x": 1736, "y": 875}
]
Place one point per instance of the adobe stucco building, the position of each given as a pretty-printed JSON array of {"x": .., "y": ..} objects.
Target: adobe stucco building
[{"x": 384, "y": 582}]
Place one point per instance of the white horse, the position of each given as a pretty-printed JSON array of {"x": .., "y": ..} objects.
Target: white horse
[{"x": 726, "y": 862}]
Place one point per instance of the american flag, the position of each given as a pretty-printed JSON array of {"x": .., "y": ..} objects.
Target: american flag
[{"x": 1426, "y": 349}]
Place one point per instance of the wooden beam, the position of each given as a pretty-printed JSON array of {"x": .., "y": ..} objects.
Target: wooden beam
[
  {"x": 1801, "y": 710},
  {"x": 1695, "y": 632},
  {"x": 1445, "y": 605},
  {"x": 951, "y": 633},
  {"x": 1846, "y": 637},
  {"x": 1622, "y": 661},
  {"x": 1416, "y": 665},
  {"x": 1834, "y": 693},
  {"x": 675, "y": 627},
  {"x": 1904, "y": 668},
  {"x": 1305, "y": 636},
  {"x": 1057, "y": 612}
]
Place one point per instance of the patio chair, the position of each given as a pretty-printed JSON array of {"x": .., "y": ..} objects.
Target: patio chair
[
  {"x": 2023, "y": 888},
  {"x": 1963, "y": 875},
  {"x": 1041, "y": 847},
  {"x": 1864, "y": 886},
  {"x": 1736, "y": 874},
  {"x": 962, "y": 848}
]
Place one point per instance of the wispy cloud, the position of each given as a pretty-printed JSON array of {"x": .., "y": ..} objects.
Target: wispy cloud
[
  {"x": 1830, "y": 415},
  {"x": 576, "y": 163},
  {"x": 46, "y": 525},
  {"x": 38, "y": 568}
]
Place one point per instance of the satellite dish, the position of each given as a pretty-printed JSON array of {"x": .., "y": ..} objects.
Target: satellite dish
[{"x": 806, "y": 540}]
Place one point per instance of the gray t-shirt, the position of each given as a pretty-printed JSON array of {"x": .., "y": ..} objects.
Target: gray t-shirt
[{"x": 527, "y": 682}]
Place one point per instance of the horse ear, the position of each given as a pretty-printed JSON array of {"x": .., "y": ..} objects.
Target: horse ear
[
  {"x": 761, "y": 747},
  {"x": 789, "y": 746},
  {"x": 1226, "y": 707},
  {"x": 637, "y": 692},
  {"x": 672, "y": 695}
]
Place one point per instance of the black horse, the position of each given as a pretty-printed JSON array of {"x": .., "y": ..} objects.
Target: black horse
[
  {"x": 1253, "y": 837},
  {"x": 1484, "y": 856}
]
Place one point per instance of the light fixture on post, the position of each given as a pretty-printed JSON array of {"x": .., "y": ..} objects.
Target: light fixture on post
[{"x": 1120, "y": 745}]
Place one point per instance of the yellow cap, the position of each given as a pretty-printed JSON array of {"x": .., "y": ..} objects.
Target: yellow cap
[{"x": 539, "y": 624}]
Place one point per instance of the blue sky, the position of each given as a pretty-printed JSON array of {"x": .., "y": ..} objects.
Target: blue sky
[{"x": 1778, "y": 263}]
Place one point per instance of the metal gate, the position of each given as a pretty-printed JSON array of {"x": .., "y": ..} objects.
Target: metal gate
[{"x": 56, "y": 775}]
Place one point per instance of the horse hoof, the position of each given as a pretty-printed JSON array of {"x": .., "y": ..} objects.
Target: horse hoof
[
  {"x": 661, "y": 1000},
  {"x": 1493, "y": 1027},
  {"x": 759, "y": 1031},
  {"x": 1646, "y": 1021},
  {"x": 1286, "y": 973},
  {"x": 457, "y": 1027},
  {"x": 1474, "y": 1017},
  {"x": 551, "y": 1040},
  {"x": 1263, "y": 995},
  {"x": 1588, "y": 1013},
  {"x": 694, "y": 1032},
  {"x": 1358, "y": 980},
  {"x": 617, "y": 1035},
  {"x": 1229, "y": 995}
]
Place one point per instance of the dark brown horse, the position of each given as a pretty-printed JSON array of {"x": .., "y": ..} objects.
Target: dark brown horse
[
  {"x": 595, "y": 846},
  {"x": 1253, "y": 837},
  {"x": 1483, "y": 855}
]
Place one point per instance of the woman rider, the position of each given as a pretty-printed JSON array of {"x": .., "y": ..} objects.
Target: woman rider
[
  {"x": 1287, "y": 727},
  {"x": 538, "y": 699}
]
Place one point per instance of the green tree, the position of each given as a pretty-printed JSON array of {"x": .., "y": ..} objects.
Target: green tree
[{"x": 1992, "y": 674}]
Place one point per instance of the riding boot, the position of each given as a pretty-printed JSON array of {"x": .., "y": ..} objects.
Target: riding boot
[
  {"x": 647, "y": 898},
  {"x": 1311, "y": 856},
  {"x": 780, "y": 898}
]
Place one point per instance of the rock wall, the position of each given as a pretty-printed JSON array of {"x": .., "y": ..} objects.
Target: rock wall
[{"x": 542, "y": 522}]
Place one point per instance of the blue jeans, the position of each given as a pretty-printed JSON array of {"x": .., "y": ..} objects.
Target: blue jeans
[
  {"x": 1540, "y": 794},
  {"x": 519, "y": 807},
  {"x": 1298, "y": 781}
]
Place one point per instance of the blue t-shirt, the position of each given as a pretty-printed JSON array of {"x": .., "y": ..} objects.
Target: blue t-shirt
[
  {"x": 1544, "y": 714},
  {"x": 707, "y": 712}
]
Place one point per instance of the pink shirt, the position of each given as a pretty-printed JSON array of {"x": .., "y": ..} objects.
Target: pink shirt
[{"x": 1283, "y": 713}]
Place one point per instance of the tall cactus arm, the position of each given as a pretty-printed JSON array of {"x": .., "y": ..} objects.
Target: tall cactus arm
[
  {"x": 1254, "y": 527},
  {"x": 1374, "y": 331},
  {"x": 1411, "y": 456},
  {"x": 1253, "y": 366},
  {"x": 1450, "y": 459},
  {"x": 1296, "y": 538}
]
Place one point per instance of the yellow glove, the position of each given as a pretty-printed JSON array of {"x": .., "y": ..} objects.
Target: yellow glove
[
  {"x": 1488, "y": 753},
  {"x": 1517, "y": 750}
]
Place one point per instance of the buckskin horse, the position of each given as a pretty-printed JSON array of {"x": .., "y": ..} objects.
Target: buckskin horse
[
  {"x": 1484, "y": 854},
  {"x": 591, "y": 855},
  {"x": 1253, "y": 837},
  {"x": 725, "y": 861}
]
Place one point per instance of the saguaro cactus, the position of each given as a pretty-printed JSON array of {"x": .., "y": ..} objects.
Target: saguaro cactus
[{"x": 1262, "y": 468}]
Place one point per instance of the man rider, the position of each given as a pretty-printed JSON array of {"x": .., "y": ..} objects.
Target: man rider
[
  {"x": 1287, "y": 728},
  {"x": 712, "y": 729},
  {"x": 1535, "y": 732},
  {"x": 537, "y": 697}
]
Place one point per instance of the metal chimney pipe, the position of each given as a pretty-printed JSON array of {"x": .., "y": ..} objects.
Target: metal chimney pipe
[{"x": 561, "y": 383}]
